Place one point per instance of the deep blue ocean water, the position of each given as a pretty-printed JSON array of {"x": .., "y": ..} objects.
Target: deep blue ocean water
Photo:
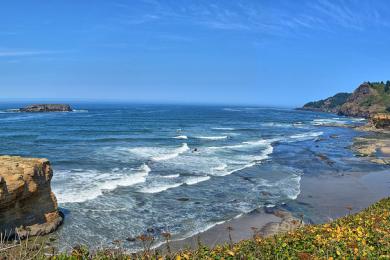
[{"x": 120, "y": 169}]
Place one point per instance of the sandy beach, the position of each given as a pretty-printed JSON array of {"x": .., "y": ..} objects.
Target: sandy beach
[{"x": 322, "y": 198}]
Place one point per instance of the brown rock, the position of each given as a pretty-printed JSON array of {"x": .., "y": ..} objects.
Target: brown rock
[
  {"x": 353, "y": 105},
  {"x": 46, "y": 108},
  {"x": 27, "y": 205},
  {"x": 287, "y": 223}
]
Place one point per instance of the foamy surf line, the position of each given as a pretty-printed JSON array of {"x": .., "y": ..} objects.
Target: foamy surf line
[
  {"x": 212, "y": 137},
  {"x": 223, "y": 128},
  {"x": 82, "y": 194},
  {"x": 183, "y": 137},
  {"x": 292, "y": 194},
  {"x": 195, "y": 180},
  {"x": 184, "y": 148},
  {"x": 160, "y": 188},
  {"x": 306, "y": 136}
]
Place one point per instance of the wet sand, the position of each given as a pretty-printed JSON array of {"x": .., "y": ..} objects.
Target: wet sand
[{"x": 322, "y": 198}]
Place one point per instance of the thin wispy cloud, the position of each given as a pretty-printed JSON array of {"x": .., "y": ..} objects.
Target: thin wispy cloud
[
  {"x": 260, "y": 17},
  {"x": 26, "y": 53}
]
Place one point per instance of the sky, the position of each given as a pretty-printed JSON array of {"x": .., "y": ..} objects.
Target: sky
[{"x": 259, "y": 52}]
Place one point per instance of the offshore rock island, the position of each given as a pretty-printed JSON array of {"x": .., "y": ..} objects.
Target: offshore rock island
[{"x": 46, "y": 108}]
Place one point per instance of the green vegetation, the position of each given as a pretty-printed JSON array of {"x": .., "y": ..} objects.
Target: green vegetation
[
  {"x": 364, "y": 235},
  {"x": 367, "y": 100},
  {"x": 381, "y": 98},
  {"x": 329, "y": 104}
]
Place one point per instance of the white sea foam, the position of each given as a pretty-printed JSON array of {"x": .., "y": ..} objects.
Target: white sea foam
[
  {"x": 80, "y": 111},
  {"x": 224, "y": 128},
  {"x": 247, "y": 161},
  {"x": 246, "y": 144},
  {"x": 11, "y": 110},
  {"x": 290, "y": 186},
  {"x": 160, "y": 188},
  {"x": 335, "y": 121},
  {"x": 306, "y": 136},
  {"x": 156, "y": 154},
  {"x": 200, "y": 230},
  {"x": 90, "y": 184},
  {"x": 196, "y": 179},
  {"x": 184, "y": 137},
  {"x": 273, "y": 124},
  {"x": 127, "y": 180},
  {"x": 328, "y": 121},
  {"x": 232, "y": 109},
  {"x": 220, "y": 167},
  {"x": 171, "y": 176},
  {"x": 212, "y": 137},
  {"x": 176, "y": 152}
]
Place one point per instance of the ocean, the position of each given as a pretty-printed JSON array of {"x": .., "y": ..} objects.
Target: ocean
[{"x": 121, "y": 169}]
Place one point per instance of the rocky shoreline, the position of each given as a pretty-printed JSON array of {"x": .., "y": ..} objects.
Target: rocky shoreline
[
  {"x": 375, "y": 146},
  {"x": 370, "y": 101},
  {"x": 28, "y": 207}
]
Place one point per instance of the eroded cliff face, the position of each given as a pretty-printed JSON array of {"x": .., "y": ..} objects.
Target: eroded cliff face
[
  {"x": 27, "y": 205},
  {"x": 366, "y": 101},
  {"x": 358, "y": 104}
]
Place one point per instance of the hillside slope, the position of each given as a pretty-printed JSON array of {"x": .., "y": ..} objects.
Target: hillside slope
[
  {"x": 367, "y": 100},
  {"x": 329, "y": 105}
]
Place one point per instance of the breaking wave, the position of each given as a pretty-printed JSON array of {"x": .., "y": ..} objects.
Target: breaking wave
[
  {"x": 184, "y": 137},
  {"x": 176, "y": 152},
  {"x": 212, "y": 137},
  {"x": 90, "y": 184}
]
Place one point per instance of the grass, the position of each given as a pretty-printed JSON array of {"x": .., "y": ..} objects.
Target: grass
[{"x": 365, "y": 235}]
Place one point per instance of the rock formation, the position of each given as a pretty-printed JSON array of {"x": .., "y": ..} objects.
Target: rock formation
[
  {"x": 27, "y": 205},
  {"x": 329, "y": 105},
  {"x": 381, "y": 120},
  {"x": 362, "y": 102},
  {"x": 366, "y": 101},
  {"x": 47, "y": 108}
]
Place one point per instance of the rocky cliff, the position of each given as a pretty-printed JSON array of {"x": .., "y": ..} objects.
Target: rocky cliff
[
  {"x": 329, "y": 105},
  {"x": 27, "y": 205},
  {"x": 46, "y": 108},
  {"x": 366, "y": 101}
]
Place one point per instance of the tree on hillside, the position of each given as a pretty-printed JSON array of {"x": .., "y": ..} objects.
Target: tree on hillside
[{"x": 387, "y": 86}]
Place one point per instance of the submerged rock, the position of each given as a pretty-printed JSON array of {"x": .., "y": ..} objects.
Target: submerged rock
[
  {"x": 28, "y": 207},
  {"x": 47, "y": 108}
]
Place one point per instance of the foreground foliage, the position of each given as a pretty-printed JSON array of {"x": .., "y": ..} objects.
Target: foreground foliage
[{"x": 365, "y": 235}]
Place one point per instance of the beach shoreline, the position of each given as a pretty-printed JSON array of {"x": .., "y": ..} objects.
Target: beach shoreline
[{"x": 322, "y": 199}]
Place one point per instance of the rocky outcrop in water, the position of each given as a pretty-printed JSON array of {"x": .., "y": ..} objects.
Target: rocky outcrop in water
[
  {"x": 28, "y": 207},
  {"x": 47, "y": 108}
]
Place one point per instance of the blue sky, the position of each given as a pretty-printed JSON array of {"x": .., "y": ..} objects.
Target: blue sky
[{"x": 278, "y": 52}]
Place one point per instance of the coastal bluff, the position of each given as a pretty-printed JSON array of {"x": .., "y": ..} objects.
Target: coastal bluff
[
  {"x": 28, "y": 207},
  {"x": 369, "y": 99},
  {"x": 47, "y": 108}
]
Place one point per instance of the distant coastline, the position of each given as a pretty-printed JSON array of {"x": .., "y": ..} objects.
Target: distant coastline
[{"x": 369, "y": 99}]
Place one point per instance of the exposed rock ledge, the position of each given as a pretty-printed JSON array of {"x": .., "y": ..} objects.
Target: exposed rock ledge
[
  {"x": 47, "y": 108},
  {"x": 27, "y": 205}
]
